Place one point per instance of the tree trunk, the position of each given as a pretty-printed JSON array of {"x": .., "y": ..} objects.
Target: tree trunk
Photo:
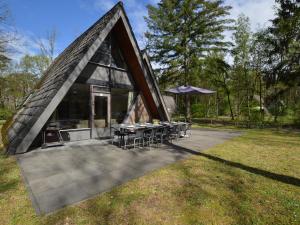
[
  {"x": 188, "y": 107},
  {"x": 238, "y": 103},
  {"x": 217, "y": 105},
  {"x": 247, "y": 93},
  {"x": 229, "y": 103},
  {"x": 260, "y": 100}
]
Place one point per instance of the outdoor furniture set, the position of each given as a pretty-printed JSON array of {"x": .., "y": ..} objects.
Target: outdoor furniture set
[{"x": 148, "y": 134}]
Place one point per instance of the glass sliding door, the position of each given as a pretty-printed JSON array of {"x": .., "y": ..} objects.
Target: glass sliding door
[{"x": 100, "y": 115}]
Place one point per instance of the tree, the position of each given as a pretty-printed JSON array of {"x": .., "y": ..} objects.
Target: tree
[
  {"x": 259, "y": 60},
  {"x": 218, "y": 73},
  {"x": 241, "y": 55},
  {"x": 14, "y": 88},
  {"x": 35, "y": 65},
  {"x": 4, "y": 37},
  {"x": 181, "y": 33},
  {"x": 283, "y": 48},
  {"x": 47, "y": 46},
  {"x": 20, "y": 79}
]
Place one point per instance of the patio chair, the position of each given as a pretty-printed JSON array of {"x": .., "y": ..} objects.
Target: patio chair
[
  {"x": 161, "y": 134},
  {"x": 52, "y": 131},
  {"x": 148, "y": 136},
  {"x": 188, "y": 130},
  {"x": 117, "y": 136},
  {"x": 133, "y": 138},
  {"x": 182, "y": 130},
  {"x": 174, "y": 132}
]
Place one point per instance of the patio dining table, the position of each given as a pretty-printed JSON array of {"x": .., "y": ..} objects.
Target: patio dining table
[
  {"x": 131, "y": 129},
  {"x": 128, "y": 129},
  {"x": 135, "y": 127}
]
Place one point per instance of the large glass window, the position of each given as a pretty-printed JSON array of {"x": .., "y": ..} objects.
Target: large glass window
[
  {"x": 117, "y": 57},
  {"x": 74, "y": 109},
  {"x": 109, "y": 53},
  {"x": 102, "y": 55},
  {"x": 121, "y": 100}
]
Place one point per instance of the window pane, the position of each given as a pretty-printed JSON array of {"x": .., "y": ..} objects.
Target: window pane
[
  {"x": 74, "y": 109},
  {"x": 102, "y": 55},
  {"x": 121, "y": 100},
  {"x": 117, "y": 57}
]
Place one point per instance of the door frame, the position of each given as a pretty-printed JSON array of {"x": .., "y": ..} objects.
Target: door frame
[{"x": 92, "y": 114}]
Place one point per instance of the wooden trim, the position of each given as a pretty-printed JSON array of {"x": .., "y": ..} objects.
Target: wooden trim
[
  {"x": 108, "y": 66},
  {"x": 100, "y": 91},
  {"x": 75, "y": 129}
]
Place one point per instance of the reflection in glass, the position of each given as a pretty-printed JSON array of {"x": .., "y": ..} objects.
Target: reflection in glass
[
  {"x": 100, "y": 116},
  {"x": 73, "y": 111},
  {"x": 121, "y": 100}
]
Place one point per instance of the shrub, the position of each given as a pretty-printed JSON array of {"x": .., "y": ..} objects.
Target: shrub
[
  {"x": 198, "y": 110},
  {"x": 5, "y": 113},
  {"x": 297, "y": 115}
]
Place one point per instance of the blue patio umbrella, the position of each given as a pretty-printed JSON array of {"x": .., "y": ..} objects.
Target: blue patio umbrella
[
  {"x": 180, "y": 90},
  {"x": 189, "y": 90}
]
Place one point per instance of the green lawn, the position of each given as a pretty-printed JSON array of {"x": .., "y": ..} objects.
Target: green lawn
[{"x": 253, "y": 179}]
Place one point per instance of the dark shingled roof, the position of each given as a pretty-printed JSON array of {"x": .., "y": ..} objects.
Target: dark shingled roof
[{"x": 51, "y": 82}]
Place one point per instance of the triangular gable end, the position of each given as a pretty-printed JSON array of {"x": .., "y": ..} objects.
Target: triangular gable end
[
  {"x": 19, "y": 141},
  {"x": 108, "y": 68}
]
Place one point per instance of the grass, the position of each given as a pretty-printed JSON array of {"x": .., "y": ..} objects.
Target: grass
[{"x": 253, "y": 179}]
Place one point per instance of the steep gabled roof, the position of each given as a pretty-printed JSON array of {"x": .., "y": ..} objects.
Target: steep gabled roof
[{"x": 27, "y": 123}]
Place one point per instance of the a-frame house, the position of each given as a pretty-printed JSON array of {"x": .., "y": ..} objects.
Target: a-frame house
[{"x": 100, "y": 79}]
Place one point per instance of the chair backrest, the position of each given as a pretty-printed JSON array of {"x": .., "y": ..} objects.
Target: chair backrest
[
  {"x": 177, "y": 128},
  {"x": 189, "y": 126},
  {"x": 139, "y": 133},
  {"x": 53, "y": 124},
  {"x": 183, "y": 127},
  {"x": 160, "y": 129},
  {"x": 149, "y": 131}
]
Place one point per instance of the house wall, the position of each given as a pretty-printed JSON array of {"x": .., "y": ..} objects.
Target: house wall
[{"x": 139, "y": 112}]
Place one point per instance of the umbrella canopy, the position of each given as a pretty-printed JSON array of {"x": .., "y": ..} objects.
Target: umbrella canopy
[{"x": 189, "y": 90}]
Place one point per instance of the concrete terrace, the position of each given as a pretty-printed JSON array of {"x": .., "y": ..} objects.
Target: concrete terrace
[{"x": 61, "y": 176}]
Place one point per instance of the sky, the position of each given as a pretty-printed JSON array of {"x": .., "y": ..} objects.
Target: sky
[{"x": 31, "y": 20}]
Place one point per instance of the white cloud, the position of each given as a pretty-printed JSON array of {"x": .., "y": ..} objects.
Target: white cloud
[
  {"x": 20, "y": 43},
  {"x": 258, "y": 11}
]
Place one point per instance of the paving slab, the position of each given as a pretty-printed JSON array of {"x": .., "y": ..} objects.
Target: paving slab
[{"x": 61, "y": 176}]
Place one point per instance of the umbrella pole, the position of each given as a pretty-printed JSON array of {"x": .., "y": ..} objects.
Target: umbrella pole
[
  {"x": 177, "y": 106},
  {"x": 188, "y": 107}
]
